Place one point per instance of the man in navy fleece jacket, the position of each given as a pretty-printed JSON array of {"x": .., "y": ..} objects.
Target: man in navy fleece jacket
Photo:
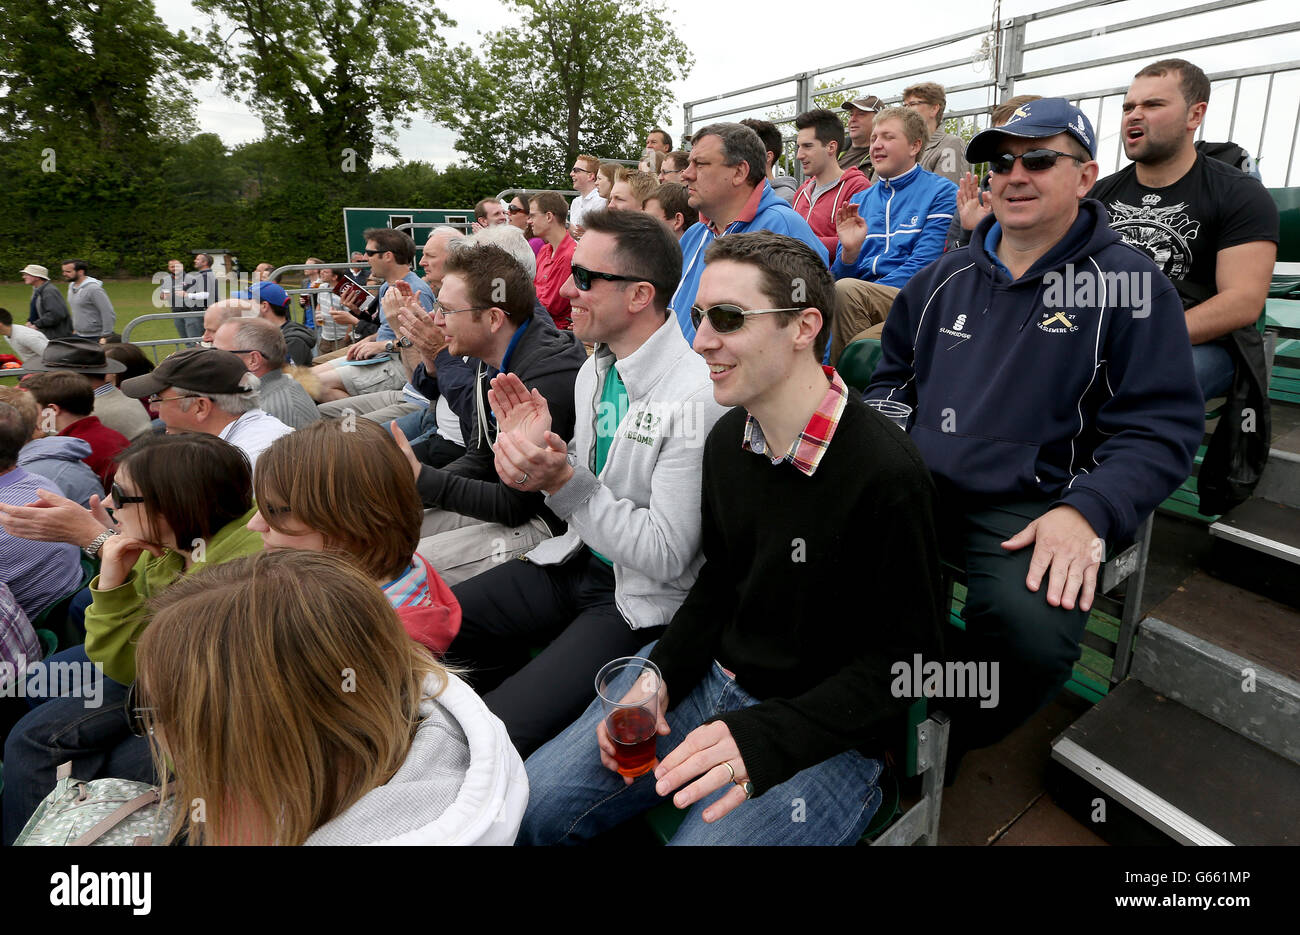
[{"x": 1054, "y": 399}]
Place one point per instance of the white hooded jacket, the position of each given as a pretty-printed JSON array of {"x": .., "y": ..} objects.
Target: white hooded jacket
[{"x": 462, "y": 782}]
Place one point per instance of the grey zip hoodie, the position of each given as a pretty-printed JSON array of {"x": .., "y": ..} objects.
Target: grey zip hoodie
[
  {"x": 92, "y": 312},
  {"x": 643, "y": 511}
]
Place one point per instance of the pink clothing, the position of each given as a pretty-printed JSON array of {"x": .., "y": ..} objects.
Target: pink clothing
[
  {"x": 552, "y": 273},
  {"x": 821, "y": 216}
]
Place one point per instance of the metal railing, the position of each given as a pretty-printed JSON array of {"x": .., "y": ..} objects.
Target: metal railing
[
  {"x": 178, "y": 343},
  {"x": 1008, "y": 75}
]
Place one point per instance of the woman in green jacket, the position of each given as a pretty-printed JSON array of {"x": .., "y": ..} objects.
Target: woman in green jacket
[{"x": 181, "y": 502}]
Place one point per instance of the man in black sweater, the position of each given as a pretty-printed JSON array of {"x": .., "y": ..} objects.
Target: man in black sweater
[
  {"x": 487, "y": 309},
  {"x": 777, "y": 697}
]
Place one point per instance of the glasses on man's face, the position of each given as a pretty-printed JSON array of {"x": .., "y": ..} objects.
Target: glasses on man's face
[
  {"x": 727, "y": 318},
  {"x": 157, "y": 399},
  {"x": 581, "y": 169},
  {"x": 582, "y": 277},
  {"x": 444, "y": 311},
  {"x": 375, "y": 252},
  {"x": 1036, "y": 160}
]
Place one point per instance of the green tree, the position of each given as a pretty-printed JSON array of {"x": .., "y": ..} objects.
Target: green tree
[
  {"x": 326, "y": 76},
  {"x": 570, "y": 76}
]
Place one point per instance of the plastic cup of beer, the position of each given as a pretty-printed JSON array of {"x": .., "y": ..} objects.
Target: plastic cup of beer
[
  {"x": 896, "y": 412},
  {"x": 629, "y": 692}
]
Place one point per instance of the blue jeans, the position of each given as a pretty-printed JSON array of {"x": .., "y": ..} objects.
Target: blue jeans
[
  {"x": 1214, "y": 368},
  {"x": 573, "y": 797},
  {"x": 418, "y": 425}
]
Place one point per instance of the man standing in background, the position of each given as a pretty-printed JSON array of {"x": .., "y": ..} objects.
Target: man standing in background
[{"x": 92, "y": 312}]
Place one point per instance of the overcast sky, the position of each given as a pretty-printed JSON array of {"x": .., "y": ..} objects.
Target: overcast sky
[{"x": 737, "y": 44}]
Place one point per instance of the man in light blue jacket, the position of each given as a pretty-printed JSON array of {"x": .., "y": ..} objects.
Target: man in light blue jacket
[
  {"x": 890, "y": 231},
  {"x": 726, "y": 181}
]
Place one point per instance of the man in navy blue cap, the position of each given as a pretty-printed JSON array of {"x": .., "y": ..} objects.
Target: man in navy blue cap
[
  {"x": 273, "y": 305},
  {"x": 1049, "y": 374}
]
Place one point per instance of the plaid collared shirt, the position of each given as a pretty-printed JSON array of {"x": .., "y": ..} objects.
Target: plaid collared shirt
[
  {"x": 19, "y": 645},
  {"x": 810, "y": 444}
]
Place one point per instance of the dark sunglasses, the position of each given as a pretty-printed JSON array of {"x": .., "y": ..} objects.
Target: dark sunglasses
[
  {"x": 515, "y": 209},
  {"x": 1036, "y": 160},
  {"x": 725, "y": 319},
  {"x": 582, "y": 277},
  {"x": 120, "y": 497}
]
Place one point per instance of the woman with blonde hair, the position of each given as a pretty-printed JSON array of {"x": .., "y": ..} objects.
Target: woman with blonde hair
[
  {"x": 343, "y": 486},
  {"x": 282, "y": 696}
]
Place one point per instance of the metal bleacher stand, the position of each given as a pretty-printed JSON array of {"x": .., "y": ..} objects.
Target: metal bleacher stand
[{"x": 1174, "y": 740}]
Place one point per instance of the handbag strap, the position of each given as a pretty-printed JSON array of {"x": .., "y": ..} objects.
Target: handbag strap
[{"x": 107, "y": 824}]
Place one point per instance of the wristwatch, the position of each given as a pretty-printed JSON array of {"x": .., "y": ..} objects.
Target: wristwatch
[
  {"x": 388, "y": 347},
  {"x": 92, "y": 551}
]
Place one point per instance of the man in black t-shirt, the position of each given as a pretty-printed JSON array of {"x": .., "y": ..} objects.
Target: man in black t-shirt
[{"x": 1211, "y": 228}]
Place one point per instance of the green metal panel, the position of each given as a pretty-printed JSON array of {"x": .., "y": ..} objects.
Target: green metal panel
[
  {"x": 1288, "y": 207},
  {"x": 356, "y": 221}
]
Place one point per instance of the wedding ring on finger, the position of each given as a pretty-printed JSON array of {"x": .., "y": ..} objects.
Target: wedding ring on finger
[
  {"x": 522, "y": 480},
  {"x": 731, "y": 770}
]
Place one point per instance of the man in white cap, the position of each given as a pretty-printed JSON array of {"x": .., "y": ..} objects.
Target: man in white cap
[{"x": 49, "y": 313}]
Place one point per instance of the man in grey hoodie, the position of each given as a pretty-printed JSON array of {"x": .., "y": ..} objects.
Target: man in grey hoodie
[
  {"x": 628, "y": 485},
  {"x": 92, "y": 312}
]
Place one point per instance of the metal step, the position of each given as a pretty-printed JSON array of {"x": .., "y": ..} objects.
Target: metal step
[
  {"x": 1263, "y": 526},
  {"x": 1242, "y": 695},
  {"x": 1192, "y": 779}
]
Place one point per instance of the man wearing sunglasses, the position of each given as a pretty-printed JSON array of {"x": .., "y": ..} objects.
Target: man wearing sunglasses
[
  {"x": 890, "y": 230},
  {"x": 777, "y": 683},
  {"x": 726, "y": 181},
  {"x": 627, "y": 485},
  {"x": 583, "y": 175},
  {"x": 1050, "y": 376}
]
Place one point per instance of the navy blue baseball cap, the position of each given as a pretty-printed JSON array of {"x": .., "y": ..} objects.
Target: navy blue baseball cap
[
  {"x": 265, "y": 292},
  {"x": 1039, "y": 119}
]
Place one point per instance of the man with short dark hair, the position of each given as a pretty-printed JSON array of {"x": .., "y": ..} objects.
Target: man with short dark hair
[
  {"x": 206, "y": 390},
  {"x": 673, "y": 164},
  {"x": 1051, "y": 392},
  {"x": 784, "y": 185},
  {"x": 1212, "y": 229},
  {"x": 274, "y": 306},
  {"x": 627, "y": 485},
  {"x": 727, "y": 183},
  {"x": 774, "y": 690},
  {"x": 488, "y": 212},
  {"x": 391, "y": 254},
  {"x": 944, "y": 153},
  {"x": 88, "y": 303},
  {"x": 487, "y": 310},
  {"x": 583, "y": 175},
  {"x": 671, "y": 203},
  {"x": 862, "y": 115},
  {"x": 819, "y": 140},
  {"x": 889, "y": 231},
  {"x": 28, "y": 343},
  {"x": 261, "y": 346},
  {"x": 546, "y": 215},
  {"x": 68, "y": 403},
  {"x": 171, "y": 293},
  {"x": 48, "y": 313},
  {"x": 200, "y": 290},
  {"x": 658, "y": 139}
]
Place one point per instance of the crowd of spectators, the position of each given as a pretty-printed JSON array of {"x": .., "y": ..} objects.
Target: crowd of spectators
[{"x": 636, "y": 392}]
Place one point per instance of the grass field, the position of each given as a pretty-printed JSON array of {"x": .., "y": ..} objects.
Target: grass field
[{"x": 131, "y": 298}]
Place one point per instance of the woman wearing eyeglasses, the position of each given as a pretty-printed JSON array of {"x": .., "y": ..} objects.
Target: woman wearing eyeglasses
[
  {"x": 388, "y": 746},
  {"x": 180, "y": 503},
  {"x": 348, "y": 490}
]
